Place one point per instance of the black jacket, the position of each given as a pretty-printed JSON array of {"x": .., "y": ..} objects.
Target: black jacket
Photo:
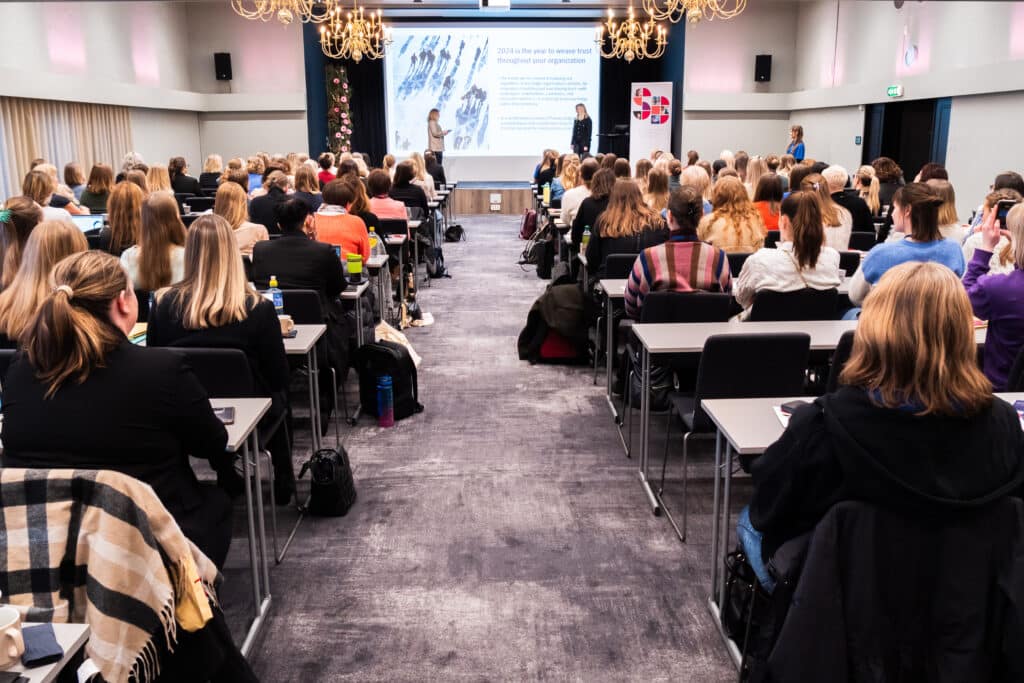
[
  {"x": 261, "y": 209},
  {"x": 588, "y": 213},
  {"x": 582, "y": 132},
  {"x": 299, "y": 263},
  {"x": 844, "y": 447},
  {"x": 104, "y": 243},
  {"x": 209, "y": 181},
  {"x": 185, "y": 184},
  {"x": 436, "y": 171},
  {"x": 313, "y": 201},
  {"x": 600, "y": 248},
  {"x": 545, "y": 176},
  {"x": 858, "y": 208},
  {"x": 143, "y": 414},
  {"x": 412, "y": 196}
]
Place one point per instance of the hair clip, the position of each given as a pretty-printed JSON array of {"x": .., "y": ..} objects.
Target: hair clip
[
  {"x": 5, "y": 215},
  {"x": 64, "y": 288}
]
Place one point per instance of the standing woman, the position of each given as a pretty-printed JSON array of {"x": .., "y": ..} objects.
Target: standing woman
[
  {"x": 796, "y": 143},
  {"x": 435, "y": 135},
  {"x": 582, "y": 131}
]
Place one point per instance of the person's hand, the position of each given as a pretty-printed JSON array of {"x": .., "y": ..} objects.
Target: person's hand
[{"x": 990, "y": 232}]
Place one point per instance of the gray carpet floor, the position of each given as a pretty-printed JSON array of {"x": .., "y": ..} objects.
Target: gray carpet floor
[{"x": 500, "y": 535}]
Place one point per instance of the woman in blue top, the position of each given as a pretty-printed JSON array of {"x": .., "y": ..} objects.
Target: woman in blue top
[
  {"x": 917, "y": 204},
  {"x": 796, "y": 142}
]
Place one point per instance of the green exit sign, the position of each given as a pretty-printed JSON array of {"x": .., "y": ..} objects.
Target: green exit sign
[{"x": 894, "y": 91}]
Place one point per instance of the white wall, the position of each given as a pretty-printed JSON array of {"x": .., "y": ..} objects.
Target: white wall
[
  {"x": 710, "y": 132},
  {"x": 159, "y": 134},
  {"x": 830, "y": 134},
  {"x": 239, "y": 134}
]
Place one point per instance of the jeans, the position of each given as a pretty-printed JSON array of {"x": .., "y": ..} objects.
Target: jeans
[
  {"x": 852, "y": 314},
  {"x": 750, "y": 540}
]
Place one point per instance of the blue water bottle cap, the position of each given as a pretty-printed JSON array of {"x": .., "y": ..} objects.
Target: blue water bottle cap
[{"x": 384, "y": 381}]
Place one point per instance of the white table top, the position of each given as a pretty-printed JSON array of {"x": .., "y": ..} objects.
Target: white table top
[
  {"x": 71, "y": 638},
  {"x": 414, "y": 224},
  {"x": 301, "y": 343},
  {"x": 378, "y": 261},
  {"x": 613, "y": 288},
  {"x": 560, "y": 224},
  {"x": 395, "y": 240},
  {"x": 690, "y": 337},
  {"x": 354, "y": 291},
  {"x": 248, "y": 412},
  {"x": 433, "y": 205},
  {"x": 750, "y": 425}
]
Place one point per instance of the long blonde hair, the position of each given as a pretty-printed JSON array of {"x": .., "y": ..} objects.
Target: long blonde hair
[
  {"x": 158, "y": 179},
  {"x": 162, "y": 229},
  {"x": 306, "y": 180},
  {"x": 125, "y": 207},
  {"x": 756, "y": 168},
  {"x": 627, "y": 214},
  {"x": 570, "y": 172},
  {"x": 214, "y": 292},
  {"x": 831, "y": 213},
  {"x": 915, "y": 343},
  {"x": 698, "y": 178},
  {"x": 868, "y": 181},
  {"x": 232, "y": 204},
  {"x": 49, "y": 242},
  {"x": 947, "y": 212},
  {"x": 657, "y": 190},
  {"x": 419, "y": 167},
  {"x": 214, "y": 164}
]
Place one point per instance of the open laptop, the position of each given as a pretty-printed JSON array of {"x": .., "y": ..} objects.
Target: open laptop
[{"x": 89, "y": 223}]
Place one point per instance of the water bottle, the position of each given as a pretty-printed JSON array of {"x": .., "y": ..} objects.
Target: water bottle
[
  {"x": 376, "y": 246},
  {"x": 385, "y": 402},
  {"x": 355, "y": 267},
  {"x": 274, "y": 294},
  {"x": 586, "y": 237},
  {"x": 547, "y": 193}
]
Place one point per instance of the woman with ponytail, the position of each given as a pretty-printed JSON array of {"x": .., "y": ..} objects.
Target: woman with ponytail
[
  {"x": 801, "y": 261},
  {"x": 82, "y": 396},
  {"x": 915, "y": 213},
  {"x": 48, "y": 244},
  {"x": 866, "y": 184},
  {"x": 18, "y": 217}
]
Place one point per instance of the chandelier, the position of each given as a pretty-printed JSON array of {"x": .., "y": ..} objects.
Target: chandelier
[
  {"x": 354, "y": 37},
  {"x": 285, "y": 11},
  {"x": 694, "y": 10},
  {"x": 631, "y": 40}
]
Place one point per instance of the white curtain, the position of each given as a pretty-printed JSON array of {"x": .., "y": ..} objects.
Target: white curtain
[{"x": 60, "y": 132}]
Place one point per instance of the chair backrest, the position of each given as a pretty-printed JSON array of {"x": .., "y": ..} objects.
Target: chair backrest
[
  {"x": 189, "y": 218},
  {"x": 736, "y": 262},
  {"x": 393, "y": 226},
  {"x": 1015, "y": 380},
  {"x": 685, "y": 307},
  {"x": 839, "y": 358},
  {"x": 803, "y": 304},
  {"x": 200, "y": 204},
  {"x": 6, "y": 357},
  {"x": 619, "y": 265},
  {"x": 862, "y": 241},
  {"x": 772, "y": 239},
  {"x": 750, "y": 366},
  {"x": 849, "y": 261},
  {"x": 143, "y": 295},
  {"x": 93, "y": 241},
  {"x": 224, "y": 373},
  {"x": 303, "y": 305}
]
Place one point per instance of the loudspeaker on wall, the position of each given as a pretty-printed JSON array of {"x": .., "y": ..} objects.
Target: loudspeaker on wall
[
  {"x": 222, "y": 65},
  {"x": 763, "y": 68}
]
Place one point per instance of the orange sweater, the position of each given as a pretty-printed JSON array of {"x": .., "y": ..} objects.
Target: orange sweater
[{"x": 343, "y": 230}]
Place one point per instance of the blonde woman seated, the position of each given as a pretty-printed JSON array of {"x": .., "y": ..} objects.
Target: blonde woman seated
[
  {"x": 158, "y": 259},
  {"x": 949, "y": 223},
  {"x": 866, "y": 184},
  {"x": 657, "y": 192},
  {"x": 421, "y": 177},
  {"x": 801, "y": 261},
  {"x": 735, "y": 224},
  {"x": 232, "y": 204},
  {"x": 1001, "y": 262},
  {"x": 838, "y": 222},
  {"x": 213, "y": 168},
  {"x": 159, "y": 180},
  {"x": 49, "y": 242},
  {"x": 63, "y": 195},
  {"x": 39, "y": 187},
  {"x": 569, "y": 178}
]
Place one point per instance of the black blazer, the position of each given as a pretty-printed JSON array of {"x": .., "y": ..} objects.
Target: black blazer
[
  {"x": 313, "y": 201},
  {"x": 370, "y": 220},
  {"x": 600, "y": 248},
  {"x": 261, "y": 209},
  {"x": 858, "y": 208},
  {"x": 412, "y": 196},
  {"x": 582, "y": 132},
  {"x": 588, "y": 213},
  {"x": 299, "y": 263},
  {"x": 259, "y": 336},
  {"x": 209, "y": 181},
  {"x": 143, "y": 414},
  {"x": 185, "y": 184},
  {"x": 436, "y": 171}
]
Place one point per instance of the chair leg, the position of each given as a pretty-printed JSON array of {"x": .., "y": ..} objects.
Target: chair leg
[
  {"x": 627, "y": 403},
  {"x": 273, "y": 503},
  {"x": 597, "y": 347},
  {"x": 679, "y": 529},
  {"x": 746, "y": 634},
  {"x": 664, "y": 456},
  {"x": 337, "y": 416}
]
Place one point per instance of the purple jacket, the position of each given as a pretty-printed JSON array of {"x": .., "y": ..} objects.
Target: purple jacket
[{"x": 999, "y": 299}]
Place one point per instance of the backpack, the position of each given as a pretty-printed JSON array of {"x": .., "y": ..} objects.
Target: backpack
[
  {"x": 435, "y": 263},
  {"x": 332, "y": 491},
  {"x": 529, "y": 224},
  {"x": 387, "y": 358},
  {"x": 454, "y": 233},
  {"x": 547, "y": 259}
]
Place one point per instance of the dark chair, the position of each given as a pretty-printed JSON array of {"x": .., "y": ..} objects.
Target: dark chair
[
  {"x": 862, "y": 241},
  {"x": 93, "y": 241},
  {"x": 736, "y": 262},
  {"x": 839, "y": 358},
  {"x": 1015, "y": 380},
  {"x": 734, "y": 366},
  {"x": 209, "y": 191},
  {"x": 189, "y": 218},
  {"x": 200, "y": 204},
  {"x": 393, "y": 226},
  {"x": 803, "y": 304},
  {"x": 772, "y": 239},
  {"x": 182, "y": 198},
  {"x": 6, "y": 357},
  {"x": 849, "y": 261},
  {"x": 144, "y": 296},
  {"x": 619, "y": 266}
]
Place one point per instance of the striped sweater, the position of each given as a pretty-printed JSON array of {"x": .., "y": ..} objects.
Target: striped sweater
[{"x": 682, "y": 264}]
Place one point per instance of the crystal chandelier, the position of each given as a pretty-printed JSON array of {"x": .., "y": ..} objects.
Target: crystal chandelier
[
  {"x": 353, "y": 36},
  {"x": 285, "y": 11},
  {"x": 694, "y": 10},
  {"x": 631, "y": 40}
]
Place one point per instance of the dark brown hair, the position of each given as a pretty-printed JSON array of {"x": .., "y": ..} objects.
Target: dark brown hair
[
  {"x": 176, "y": 167},
  {"x": 601, "y": 184},
  {"x": 687, "y": 207},
  {"x": 803, "y": 209},
  {"x": 378, "y": 183},
  {"x": 621, "y": 168},
  {"x": 405, "y": 173},
  {"x": 125, "y": 206},
  {"x": 73, "y": 174},
  {"x": 932, "y": 170},
  {"x": 338, "y": 193},
  {"x": 887, "y": 170},
  {"x": 924, "y": 203}
]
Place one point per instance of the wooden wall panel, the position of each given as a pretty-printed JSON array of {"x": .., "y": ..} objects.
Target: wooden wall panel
[{"x": 477, "y": 201}]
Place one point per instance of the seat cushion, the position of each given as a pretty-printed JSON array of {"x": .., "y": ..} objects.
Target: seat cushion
[{"x": 684, "y": 406}]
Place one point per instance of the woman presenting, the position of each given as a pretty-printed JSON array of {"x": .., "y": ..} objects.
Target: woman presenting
[
  {"x": 796, "y": 142},
  {"x": 435, "y": 134},
  {"x": 582, "y": 129}
]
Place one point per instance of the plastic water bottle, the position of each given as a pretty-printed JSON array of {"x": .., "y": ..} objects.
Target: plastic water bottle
[
  {"x": 376, "y": 246},
  {"x": 276, "y": 296},
  {"x": 547, "y": 193},
  {"x": 586, "y": 237},
  {"x": 385, "y": 402}
]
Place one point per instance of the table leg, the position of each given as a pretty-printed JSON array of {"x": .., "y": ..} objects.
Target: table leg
[
  {"x": 382, "y": 306},
  {"x": 359, "y": 321},
  {"x": 314, "y": 396},
  {"x": 416, "y": 260},
  {"x": 609, "y": 341},
  {"x": 724, "y": 547},
  {"x": 260, "y": 516},
  {"x": 715, "y": 482},
  {"x": 261, "y": 604},
  {"x": 645, "y": 422}
]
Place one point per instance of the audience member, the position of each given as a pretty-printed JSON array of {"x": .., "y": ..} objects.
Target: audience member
[
  {"x": 39, "y": 186},
  {"x": 74, "y": 178},
  {"x": 802, "y": 260},
  {"x": 838, "y": 221},
  {"x": 261, "y": 209},
  {"x": 683, "y": 263},
  {"x": 734, "y": 225},
  {"x": 698, "y": 177},
  {"x": 80, "y": 371},
  {"x": 139, "y": 179},
  {"x": 626, "y": 226},
  {"x": 388, "y": 165},
  {"x": 214, "y": 307},
  {"x": 255, "y": 167},
  {"x": 865, "y": 182},
  {"x": 18, "y": 217},
  {"x": 608, "y": 161},
  {"x": 232, "y": 205},
  {"x": 593, "y": 206},
  {"x": 1001, "y": 260},
  {"x": 756, "y": 168},
  {"x": 545, "y": 172},
  {"x": 378, "y": 186},
  {"x": 63, "y": 197},
  {"x": 949, "y": 223},
  {"x": 209, "y": 179},
  {"x": 128, "y": 162},
  {"x": 159, "y": 180},
  {"x": 181, "y": 182},
  {"x": 796, "y": 176},
  {"x": 890, "y": 179},
  {"x": 931, "y": 171},
  {"x": 332, "y": 223},
  {"x": 1008, "y": 180},
  {"x": 622, "y": 169},
  {"x": 572, "y": 198},
  {"x": 307, "y": 187},
  {"x": 49, "y": 242},
  {"x": 837, "y": 178},
  {"x": 692, "y": 157},
  {"x": 657, "y": 193},
  {"x": 433, "y": 167},
  {"x": 740, "y": 163},
  {"x": 643, "y": 167},
  {"x": 124, "y": 222},
  {"x": 238, "y": 176},
  {"x": 158, "y": 259},
  {"x": 567, "y": 179},
  {"x": 97, "y": 190},
  {"x": 421, "y": 178},
  {"x": 767, "y": 198},
  {"x": 915, "y": 206},
  {"x": 403, "y": 189},
  {"x": 360, "y": 204}
]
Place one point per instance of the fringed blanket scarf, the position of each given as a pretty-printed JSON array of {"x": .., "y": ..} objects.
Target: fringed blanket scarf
[{"x": 98, "y": 547}]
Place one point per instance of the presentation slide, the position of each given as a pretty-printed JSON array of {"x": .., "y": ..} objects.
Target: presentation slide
[{"x": 501, "y": 90}]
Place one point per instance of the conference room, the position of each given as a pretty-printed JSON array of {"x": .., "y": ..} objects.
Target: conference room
[{"x": 511, "y": 340}]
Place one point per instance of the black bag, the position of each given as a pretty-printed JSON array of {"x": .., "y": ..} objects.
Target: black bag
[
  {"x": 547, "y": 259},
  {"x": 454, "y": 233},
  {"x": 749, "y": 615},
  {"x": 435, "y": 263},
  {"x": 388, "y": 358},
  {"x": 332, "y": 491}
]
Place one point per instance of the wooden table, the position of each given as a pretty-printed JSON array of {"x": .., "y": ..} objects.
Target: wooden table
[{"x": 71, "y": 638}]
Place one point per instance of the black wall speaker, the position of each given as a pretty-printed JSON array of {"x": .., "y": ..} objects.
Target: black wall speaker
[
  {"x": 222, "y": 65},
  {"x": 763, "y": 68}
]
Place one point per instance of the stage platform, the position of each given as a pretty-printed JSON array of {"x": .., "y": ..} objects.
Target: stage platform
[{"x": 474, "y": 197}]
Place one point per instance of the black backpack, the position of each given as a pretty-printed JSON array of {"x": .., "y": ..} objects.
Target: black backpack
[
  {"x": 388, "y": 358},
  {"x": 435, "y": 263},
  {"x": 332, "y": 491},
  {"x": 454, "y": 233}
]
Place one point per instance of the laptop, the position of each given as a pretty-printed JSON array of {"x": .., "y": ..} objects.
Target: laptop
[{"x": 88, "y": 223}]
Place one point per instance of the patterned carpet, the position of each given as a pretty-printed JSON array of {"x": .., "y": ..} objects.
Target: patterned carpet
[{"x": 501, "y": 534}]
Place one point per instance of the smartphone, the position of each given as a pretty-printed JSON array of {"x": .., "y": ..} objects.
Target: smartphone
[
  {"x": 225, "y": 414},
  {"x": 337, "y": 251},
  {"x": 1003, "y": 207},
  {"x": 789, "y": 407}
]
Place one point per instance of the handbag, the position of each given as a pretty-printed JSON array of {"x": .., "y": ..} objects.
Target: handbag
[
  {"x": 332, "y": 490},
  {"x": 748, "y": 615}
]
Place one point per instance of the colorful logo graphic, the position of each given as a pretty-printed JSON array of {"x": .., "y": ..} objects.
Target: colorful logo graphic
[{"x": 648, "y": 106}]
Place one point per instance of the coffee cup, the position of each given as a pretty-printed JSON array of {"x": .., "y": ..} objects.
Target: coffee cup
[
  {"x": 12, "y": 646},
  {"x": 287, "y": 324}
]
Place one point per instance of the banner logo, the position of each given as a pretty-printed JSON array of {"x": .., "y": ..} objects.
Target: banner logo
[{"x": 647, "y": 106}]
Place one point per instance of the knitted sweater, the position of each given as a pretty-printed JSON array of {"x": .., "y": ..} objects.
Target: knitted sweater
[{"x": 683, "y": 264}]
